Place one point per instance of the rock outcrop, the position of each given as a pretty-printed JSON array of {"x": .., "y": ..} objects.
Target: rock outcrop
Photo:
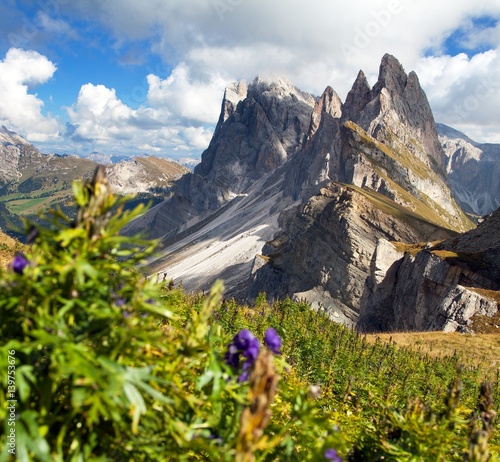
[
  {"x": 326, "y": 249},
  {"x": 17, "y": 155},
  {"x": 144, "y": 175},
  {"x": 442, "y": 287}
]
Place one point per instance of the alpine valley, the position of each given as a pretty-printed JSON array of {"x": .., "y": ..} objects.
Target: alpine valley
[
  {"x": 31, "y": 182},
  {"x": 365, "y": 208}
]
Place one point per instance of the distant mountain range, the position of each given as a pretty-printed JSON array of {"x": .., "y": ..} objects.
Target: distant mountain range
[
  {"x": 31, "y": 181},
  {"x": 473, "y": 170},
  {"x": 315, "y": 198}
]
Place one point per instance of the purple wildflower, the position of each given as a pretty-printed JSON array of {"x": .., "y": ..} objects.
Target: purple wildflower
[
  {"x": 244, "y": 376},
  {"x": 273, "y": 340},
  {"x": 32, "y": 235},
  {"x": 19, "y": 263},
  {"x": 232, "y": 356},
  {"x": 332, "y": 455},
  {"x": 243, "y": 339},
  {"x": 252, "y": 350},
  {"x": 244, "y": 343}
]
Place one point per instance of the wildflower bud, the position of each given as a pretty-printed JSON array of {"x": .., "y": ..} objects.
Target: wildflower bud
[
  {"x": 246, "y": 344},
  {"x": 19, "y": 263},
  {"x": 232, "y": 356},
  {"x": 272, "y": 340},
  {"x": 243, "y": 339},
  {"x": 332, "y": 455}
]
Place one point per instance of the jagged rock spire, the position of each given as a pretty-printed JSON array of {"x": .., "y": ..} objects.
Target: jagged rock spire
[{"x": 357, "y": 98}]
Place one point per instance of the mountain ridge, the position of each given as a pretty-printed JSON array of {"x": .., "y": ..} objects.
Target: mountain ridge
[
  {"x": 342, "y": 188},
  {"x": 473, "y": 170}
]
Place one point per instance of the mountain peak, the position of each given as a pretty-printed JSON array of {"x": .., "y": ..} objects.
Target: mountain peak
[
  {"x": 233, "y": 94},
  {"x": 330, "y": 103},
  {"x": 396, "y": 108},
  {"x": 391, "y": 75},
  {"x": 10, "y": 137},
  {"x": 357, "y": 98},
  {"x": 279, "y": 87}
]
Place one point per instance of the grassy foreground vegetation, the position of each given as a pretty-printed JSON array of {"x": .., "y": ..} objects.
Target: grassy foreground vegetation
[{"x": 111, "y": 366}]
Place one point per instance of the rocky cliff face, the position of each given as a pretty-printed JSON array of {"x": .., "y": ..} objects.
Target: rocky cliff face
[
  {"x": 255, "y": 137},
  {"x": 473, "y": 169},
  {"x": 396, "y": 109},
  {"x": 444, "y": 286},
  {"x": 381, "y": 148},
  {"x": 311, "y": 197},
  {"x": 325, "y": 251}
]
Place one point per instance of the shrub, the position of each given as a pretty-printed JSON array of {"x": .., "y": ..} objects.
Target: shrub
[{"x": 106, "y": 364}]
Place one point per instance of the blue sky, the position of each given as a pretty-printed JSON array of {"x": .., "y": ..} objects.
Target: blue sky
[{"x": 135, "y": 77}]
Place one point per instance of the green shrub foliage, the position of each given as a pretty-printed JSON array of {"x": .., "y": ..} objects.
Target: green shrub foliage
[{"x": 112, "y": 366}]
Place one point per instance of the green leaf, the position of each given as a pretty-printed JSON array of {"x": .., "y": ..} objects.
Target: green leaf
[{"x": 137, "y": 404}]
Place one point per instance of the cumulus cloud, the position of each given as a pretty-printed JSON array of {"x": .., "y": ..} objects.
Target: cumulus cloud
[
  {"x": 99, "y": 115},
  {"x": 314, "y": 44},
  {"x": 288, "y": 36},
  {"x": 464, "y": 92},
  {"x": 21, "y": 110},
  {"x": 100, "y": 119},
  {"x": 194, "y": 98}
]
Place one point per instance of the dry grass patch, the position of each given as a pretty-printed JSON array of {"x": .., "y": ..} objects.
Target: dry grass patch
[
  {"x": 479, "y": 350},
  {"x": 8, "y": 248}
]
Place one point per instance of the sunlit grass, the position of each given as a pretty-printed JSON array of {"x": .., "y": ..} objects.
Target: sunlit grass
[{"x": 478, "y": 350}]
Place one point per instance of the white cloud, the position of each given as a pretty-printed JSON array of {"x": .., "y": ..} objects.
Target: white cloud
[
  {"x": 197, "y": 99},
  {"x": 55, "y": 26},
  {"x": 148, "y": 147},
  {"x": 20, "y": 110},
  {"x": 288, "y": 36},
  {"x": 313, "y": 44},
  {"x": 105, "y": 123},
  {"x": 465, "y": 92},
  {"x": 197, "y": 137},
  {"x": 99, "y": 115}
]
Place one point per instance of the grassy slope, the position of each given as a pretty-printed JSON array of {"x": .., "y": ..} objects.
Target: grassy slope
[
  {"x": 357, "y": 373},
  {"x": 425, "y": 207},
  {"x": 8, "y": 247},
  {"x": 478, "y": 350}
]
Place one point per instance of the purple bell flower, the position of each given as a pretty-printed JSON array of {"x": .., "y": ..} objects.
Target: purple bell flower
[
  {"x": 232, "y": 356},
  {"x": 252, "y": 350},
  {"x": 19, "y": 263},
  {"x": 332, "y": 455},
  {"x": 243, "y": 339},
  {"x": 247, "y": 345},
  {"x": 273, "y": 340}
]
